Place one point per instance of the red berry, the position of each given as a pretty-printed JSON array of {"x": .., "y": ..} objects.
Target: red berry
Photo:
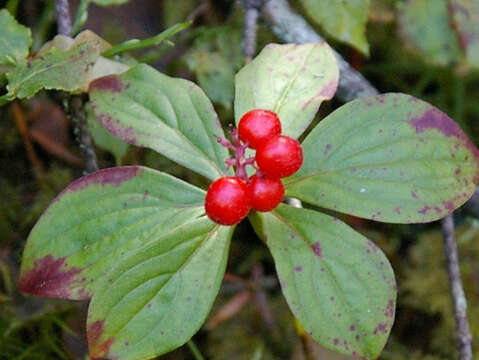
[
  {"x": 227, "y": 201},
  {"x": 265, "y": 193},
  {"x": 256, "y": 126},
  {"x": 279, "y": 157}
]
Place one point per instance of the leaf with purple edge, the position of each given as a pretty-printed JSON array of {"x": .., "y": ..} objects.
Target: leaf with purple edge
[
  {"x": 173, "y": 116},
  {"x": 154, "y": 300},
  {"x": 390, "y": 158},
  {"x": 103, "y": 138},
  {"x": 291, "y": 80},
  {"x": 338, "y": 284},
  {"x": 98, "y": 220}
]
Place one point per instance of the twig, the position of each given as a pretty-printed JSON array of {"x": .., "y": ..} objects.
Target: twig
[
  {"x": 134, "y": 44},
  {"x": 56, "y": 148},
  {"x": 252, "y": 8},
  {"x": 75, "y": 103},
  {"x": 200, "y": 10},
  {"x": 64, "y": 20},
  {"x": 78, "y": 117},
  {"x": 292, "y": 28},
  {"x": 267, "y": 282},
  {"x": 457, "y": 291},
  {"x": 24, "y": 133},
  {"x": 228, "y": 310}
]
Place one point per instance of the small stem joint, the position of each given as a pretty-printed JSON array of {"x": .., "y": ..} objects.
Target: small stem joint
[{"x": 239, "y": 161}]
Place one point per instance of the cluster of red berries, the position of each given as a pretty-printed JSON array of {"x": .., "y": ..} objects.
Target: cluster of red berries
[{"x": 229, "y": 199}]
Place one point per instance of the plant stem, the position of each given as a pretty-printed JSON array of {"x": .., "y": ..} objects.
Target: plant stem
[
  {"x": 250, "y": 27},
  {"x": 239, "y": 149},
  {"x": 78, "y": 117},
  {"x": 12, "y": 6},
  {"x": 75, "y": 103},
  {"x": 194, "y": 350},
  {"x": 135, "y": 44},
  {"x": 63, "y": 17},
  {"x": 464, "y": 337}
]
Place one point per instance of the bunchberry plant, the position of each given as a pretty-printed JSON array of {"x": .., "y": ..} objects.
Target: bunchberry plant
[{"x": 138, "y": 244}]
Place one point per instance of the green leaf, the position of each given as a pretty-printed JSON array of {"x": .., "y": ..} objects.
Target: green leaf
[
  {"x": 82, "y": 11},
  {"x": 338, "y": 284},
  {"x": 104, "y": 139},
  {"x": 291, "y": 80},
  {"x": 157, "y": 298},
  {"x": 55, "y": 69},
  {"x": 98, "y": 220},
  {"x": 214, "y": 73},
  {"x": 4, "y": 99},
  {"x": 134, "y": 44},
  {"x": 426, "y": 27},
  {"x": 465, "y": 17},
  {"x": 172, "y": 116},
  {"x": 343, "y": 20},
  {"x": 391, "y": 158},
  {"x": 15, "y": 40}
]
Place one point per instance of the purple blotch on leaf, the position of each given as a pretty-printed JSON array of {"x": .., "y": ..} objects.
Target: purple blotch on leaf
[
  {"x": 316, "y": 247},
  {"x": 98, "y": 349},
  {"x": 448, "y": 205},
  {"x": 127, "y": 134},
  {"x": 330, "y": 89},
  {"x": 112, "y": 176},
  {"x": 382, "y": 327},
  {"x": 390, "y": 309},
  {"x": 53, "y": 278},
  {"x": 110, "y": 83},
  {"x": 424, "y": 210},
  {"x": 434, "y": 119},
  {"x": 326, "y": 149}
]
